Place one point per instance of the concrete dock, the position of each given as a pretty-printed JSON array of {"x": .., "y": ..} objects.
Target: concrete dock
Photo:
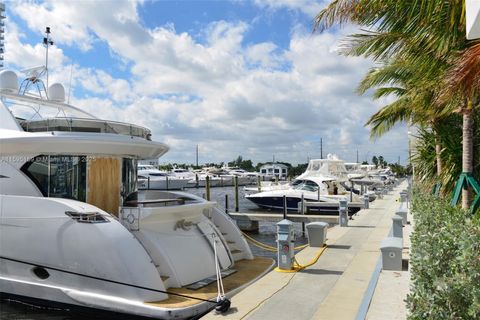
[{"x": 336, "y": 285}]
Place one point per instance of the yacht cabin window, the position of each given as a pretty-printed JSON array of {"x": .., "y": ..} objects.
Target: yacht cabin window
[
  {"x": 63, "y": 176},
  {"x": 59, "y": 176}
]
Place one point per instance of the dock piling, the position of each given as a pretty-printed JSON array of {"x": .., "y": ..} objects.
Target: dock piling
[
  {"x": 226, "y": 203},
  {"x": 207, "y": 187},
  {"x": 236, "y": 194}
]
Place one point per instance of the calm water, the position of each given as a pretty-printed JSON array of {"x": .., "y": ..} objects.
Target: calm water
[{"x": 17, "y": 311}]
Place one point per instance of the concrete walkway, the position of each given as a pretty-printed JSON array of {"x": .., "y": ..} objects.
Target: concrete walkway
[
  {"x": 388, "y": 301},
  {"x": 333, "y": 288}
]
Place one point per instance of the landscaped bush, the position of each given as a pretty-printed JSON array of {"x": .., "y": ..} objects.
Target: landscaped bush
[{"x": 445, "y": 262}]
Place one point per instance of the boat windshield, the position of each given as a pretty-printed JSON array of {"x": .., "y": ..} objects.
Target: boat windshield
[{"x": 305, "y": 185}]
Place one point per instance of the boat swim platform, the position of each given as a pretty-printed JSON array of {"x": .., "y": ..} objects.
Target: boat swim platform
[
  {"x": 332, "y": 288},
  {"x": 246, "y": 272}
]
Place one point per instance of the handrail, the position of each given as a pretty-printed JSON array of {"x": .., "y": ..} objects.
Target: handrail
[
  {"x": 154, "y": 201},
  {"x": 85, "y": 124}
]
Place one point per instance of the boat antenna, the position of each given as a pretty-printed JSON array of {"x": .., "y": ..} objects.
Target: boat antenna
[{"x": 47, "y": 41}]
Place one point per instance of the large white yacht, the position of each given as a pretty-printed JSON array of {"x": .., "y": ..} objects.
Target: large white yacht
[
  {"x": 75, "y": 232},
  {"x": 324, "y": 180}
]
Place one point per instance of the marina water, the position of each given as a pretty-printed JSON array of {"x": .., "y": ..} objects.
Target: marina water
[{"x": 266, "y": 234}]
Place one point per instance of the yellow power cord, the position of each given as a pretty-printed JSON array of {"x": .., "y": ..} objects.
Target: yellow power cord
[
  {"x": 266, "y": 246},
  {"x": 298, "y": 267}
]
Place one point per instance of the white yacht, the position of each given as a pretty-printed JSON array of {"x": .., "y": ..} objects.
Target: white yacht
[
  {"x": 76, "y": 233},
  {"x": 324, "y": 180},
  {"x": 150, "y": 177}
]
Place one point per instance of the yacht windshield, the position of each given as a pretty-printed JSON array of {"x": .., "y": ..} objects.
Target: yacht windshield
[{"x": 305, "y": 185}]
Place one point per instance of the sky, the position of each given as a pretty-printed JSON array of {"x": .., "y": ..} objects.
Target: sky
[{"x": 236, "y": 78}]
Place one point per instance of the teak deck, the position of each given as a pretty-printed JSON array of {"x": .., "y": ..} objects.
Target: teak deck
[{"x": 247, "y": 271}]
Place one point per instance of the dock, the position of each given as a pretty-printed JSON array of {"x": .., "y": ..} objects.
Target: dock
[
  {"x": 275, "y": 217},
  {"x": 340, "y": 285}
]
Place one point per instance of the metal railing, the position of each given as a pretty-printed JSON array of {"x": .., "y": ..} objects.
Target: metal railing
[{"x": 85, "y": 125}]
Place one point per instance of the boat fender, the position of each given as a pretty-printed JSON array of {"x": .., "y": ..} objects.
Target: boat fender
[{"x": 223, "y": 305}]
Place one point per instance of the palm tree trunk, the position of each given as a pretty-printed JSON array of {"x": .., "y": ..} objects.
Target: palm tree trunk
[
  {"x": 467, "y": 155},
  {"x": 438, "y": 149}
]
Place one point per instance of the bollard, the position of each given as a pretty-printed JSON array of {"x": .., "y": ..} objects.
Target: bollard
[
  {"x": 317, "y": 233},
  {"x": 403, "y": 196},
  {"x": 285, "y": 244},
  {"x": 366, "y": 201},
  {"x": 402, "y": 213},
  {"x": 226, "y": 203},
  {"x": 391, "y": 249},
  {"x": 148, "y": 183},
  {"x": 236, "y": 194},
  {"x": 397, "y": 225},
  {"x": 342, "y": 213},
  {"x": 207, "y": 187}
]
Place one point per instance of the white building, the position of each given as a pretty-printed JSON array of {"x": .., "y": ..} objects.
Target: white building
[{"x": 273, "y": 170}]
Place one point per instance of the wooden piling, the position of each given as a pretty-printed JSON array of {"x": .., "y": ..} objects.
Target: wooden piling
[
  {"x": 226, "y": 203},
  {"x": 236, "y": 194},
  {"x": 207, "y": 187}
]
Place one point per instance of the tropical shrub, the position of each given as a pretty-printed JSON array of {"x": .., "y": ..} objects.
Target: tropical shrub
[{"x": 445, "y": 261}]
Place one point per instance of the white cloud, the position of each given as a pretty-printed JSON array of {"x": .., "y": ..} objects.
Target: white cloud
[
  {"x": 255, "y": 100},
  {"x": 309, "y": 7}
]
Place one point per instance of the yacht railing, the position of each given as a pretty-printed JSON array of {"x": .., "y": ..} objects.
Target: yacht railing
[{"x": 85, "y": 125}]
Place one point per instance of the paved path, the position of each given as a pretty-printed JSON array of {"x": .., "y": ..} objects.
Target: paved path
[
  {"x": 388, "y": 301},
  {"x": 333, "y": 288}
]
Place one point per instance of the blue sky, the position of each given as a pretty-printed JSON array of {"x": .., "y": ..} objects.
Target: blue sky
[{"x": 235, "y": 77}]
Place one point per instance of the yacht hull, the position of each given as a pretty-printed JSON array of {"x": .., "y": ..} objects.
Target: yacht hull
[{"x": 276, "y": 203}]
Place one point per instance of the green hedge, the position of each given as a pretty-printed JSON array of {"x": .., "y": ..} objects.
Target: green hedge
[{"x": 445, "y": 262}]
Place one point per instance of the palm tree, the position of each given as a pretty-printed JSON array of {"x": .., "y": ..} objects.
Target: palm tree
[
  {"x": 414, "y": 101},
  {"x": 426, "y": 33}
]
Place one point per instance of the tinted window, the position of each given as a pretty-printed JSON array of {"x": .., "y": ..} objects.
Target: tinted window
[{"x": 58, "y": 176}]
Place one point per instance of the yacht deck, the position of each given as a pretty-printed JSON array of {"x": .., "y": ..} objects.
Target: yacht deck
[{"x": 247, "y": 271}]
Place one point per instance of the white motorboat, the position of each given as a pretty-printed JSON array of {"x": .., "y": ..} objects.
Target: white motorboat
[
  {"x": 321, "y": 189},
  {"x": 324, "y": 180},
  {"x": 150, "y": 177},
  {"x": 76, "y": 233}
]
